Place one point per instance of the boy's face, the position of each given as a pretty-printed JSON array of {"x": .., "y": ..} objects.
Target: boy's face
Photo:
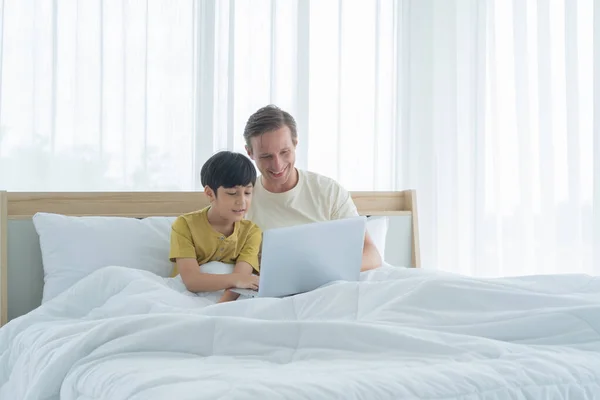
[{"x": 231, "y": 203}]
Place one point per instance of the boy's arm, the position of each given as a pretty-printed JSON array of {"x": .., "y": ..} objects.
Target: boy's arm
[
  {"x": 183, "y": 252},
  {"x": 196, "y": 281},
  {"x": 247, "y": 262},
  {"x": 242, "y": 267},
  {"x": 249, "y": 254}
]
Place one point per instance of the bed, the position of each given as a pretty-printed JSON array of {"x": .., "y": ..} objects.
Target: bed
[{"x": 88, "y": 322}]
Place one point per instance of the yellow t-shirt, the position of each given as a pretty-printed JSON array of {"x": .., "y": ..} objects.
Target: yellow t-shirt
[{"x": 192, "y": 236}]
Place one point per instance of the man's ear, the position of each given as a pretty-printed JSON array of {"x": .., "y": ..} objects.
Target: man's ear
[
  {"x": 210, "y": 193},
  {"x": 249, "y": 151}
]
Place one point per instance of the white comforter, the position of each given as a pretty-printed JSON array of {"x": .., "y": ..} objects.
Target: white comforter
[{"x": 398, "y": 334}]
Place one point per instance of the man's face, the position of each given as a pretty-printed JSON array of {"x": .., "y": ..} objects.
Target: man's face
[{"x": 275, "y": 156}]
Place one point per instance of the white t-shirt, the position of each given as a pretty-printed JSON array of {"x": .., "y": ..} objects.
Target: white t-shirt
[{"x": 315, "y": 198}]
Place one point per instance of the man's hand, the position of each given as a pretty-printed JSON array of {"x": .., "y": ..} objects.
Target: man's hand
[{"x": 245, "y": 281}]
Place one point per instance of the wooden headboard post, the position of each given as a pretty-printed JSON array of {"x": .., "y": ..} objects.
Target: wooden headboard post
[
  {"x": 416, "y": 249},
  {"x": 3, "y": 257}
]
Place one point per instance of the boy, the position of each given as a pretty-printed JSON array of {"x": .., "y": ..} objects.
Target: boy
[{"x": 219, "y": 232}]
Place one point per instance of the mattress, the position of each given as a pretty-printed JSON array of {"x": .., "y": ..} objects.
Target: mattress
[{"x": 398, "y": 333}]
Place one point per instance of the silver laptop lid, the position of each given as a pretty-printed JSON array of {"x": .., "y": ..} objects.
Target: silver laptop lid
[{"x": 301, "y": 258}]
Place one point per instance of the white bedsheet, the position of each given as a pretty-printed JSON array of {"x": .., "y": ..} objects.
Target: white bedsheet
[{"x": 397, "y": 334}]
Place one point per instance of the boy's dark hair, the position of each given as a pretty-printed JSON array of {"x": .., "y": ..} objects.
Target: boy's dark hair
[
  {"x": 267, "y": 119},
  {"x": 227, "y": 169}
]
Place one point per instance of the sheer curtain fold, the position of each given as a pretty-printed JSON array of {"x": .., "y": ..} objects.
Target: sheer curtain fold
[
  {"x": 89, "y": 90},
  {"x": 488, "y": 108},
  {"x": 537, "y": 159},
  {"x": 594, "y": 110}
]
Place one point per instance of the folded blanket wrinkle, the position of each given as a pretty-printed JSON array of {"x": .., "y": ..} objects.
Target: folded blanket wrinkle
[{"x": 121, "y": 333}]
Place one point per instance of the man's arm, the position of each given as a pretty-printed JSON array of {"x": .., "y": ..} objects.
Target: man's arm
[
  {"x": 196, "y": 281},
  {"x": 345, "y": 208},
  {"x": 371, "y": 257}
]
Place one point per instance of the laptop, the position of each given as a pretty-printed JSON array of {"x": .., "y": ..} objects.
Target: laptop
[{"x": 302, "y": 258}]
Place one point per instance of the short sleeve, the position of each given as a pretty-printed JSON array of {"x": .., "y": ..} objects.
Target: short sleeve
[
  {"x": 344, "y": 206},
  {"x": 182, "y": 245},
  {"x": 251, "y": 247}
]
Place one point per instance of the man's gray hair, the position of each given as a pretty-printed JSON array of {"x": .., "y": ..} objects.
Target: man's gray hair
[{"x": 268, "y": 119}]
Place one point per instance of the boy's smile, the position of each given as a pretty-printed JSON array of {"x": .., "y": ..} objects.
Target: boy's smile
[{"x": 229, "y": 205}]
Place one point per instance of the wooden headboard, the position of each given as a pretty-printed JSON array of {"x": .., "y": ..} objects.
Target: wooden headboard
[{"x": 23, "y": 205}]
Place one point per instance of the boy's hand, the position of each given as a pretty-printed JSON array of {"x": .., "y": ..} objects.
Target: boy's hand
[
  {"x": 228, "y": 295},
  {"x": 245, "y": 281}
]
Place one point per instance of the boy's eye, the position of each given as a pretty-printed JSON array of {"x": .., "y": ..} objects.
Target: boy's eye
[
  {"x": 232, "y": 194},
  {"x": 248, "y": 193}
]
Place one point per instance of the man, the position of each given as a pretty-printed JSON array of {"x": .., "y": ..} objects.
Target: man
[{"x": 285, "y": 195}]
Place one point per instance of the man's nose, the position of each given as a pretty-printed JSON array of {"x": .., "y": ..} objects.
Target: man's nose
[{"x": 277, "y": 163}]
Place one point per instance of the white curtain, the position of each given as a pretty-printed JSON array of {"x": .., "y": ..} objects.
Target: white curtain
[
  {"x": 97, "y": 95},
  {"x": 485, "y": 107},
  {"x": 501, "y": 134}
]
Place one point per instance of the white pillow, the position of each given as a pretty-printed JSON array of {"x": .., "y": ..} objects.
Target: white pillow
[
  {"x": 216, "y": 267},
  {"x": 377, "y": 228},
  {"x": 74, "y": 247}
]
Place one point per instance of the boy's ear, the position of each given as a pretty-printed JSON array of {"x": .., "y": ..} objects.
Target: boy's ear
[{"x": 210, "y": 193}]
